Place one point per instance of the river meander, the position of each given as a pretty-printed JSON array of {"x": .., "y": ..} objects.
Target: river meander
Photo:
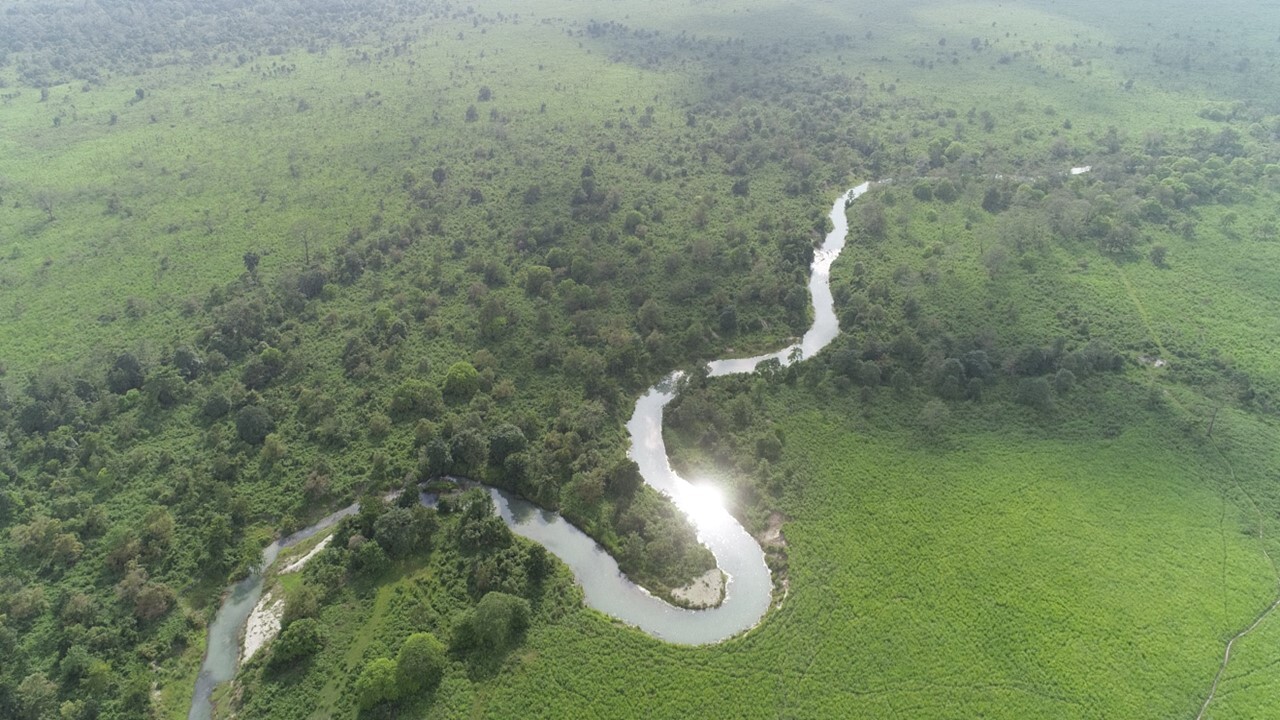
[{"x": 749, "y": 586}]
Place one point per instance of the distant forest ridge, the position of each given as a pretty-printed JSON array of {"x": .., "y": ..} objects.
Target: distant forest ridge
[{"x": 51, "y": 43}]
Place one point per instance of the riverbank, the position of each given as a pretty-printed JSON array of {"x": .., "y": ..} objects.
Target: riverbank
[{"x": 706, "y": 591}]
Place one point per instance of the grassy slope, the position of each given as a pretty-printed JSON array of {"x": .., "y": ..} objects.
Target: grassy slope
[{"x": 217, "y": 162}]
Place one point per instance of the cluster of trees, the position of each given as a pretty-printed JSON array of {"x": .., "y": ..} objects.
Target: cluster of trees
[
  {"x": 483, "y": 583},
  {"x": 495, "y": 561},
  {"x": 964, "y": 370},
  {"x": 417, "y": 668}
]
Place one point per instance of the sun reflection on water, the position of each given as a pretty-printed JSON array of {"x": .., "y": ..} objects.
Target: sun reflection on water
[{"x": 704, "y": 504}]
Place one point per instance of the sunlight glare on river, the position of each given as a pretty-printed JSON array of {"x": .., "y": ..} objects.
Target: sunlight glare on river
[{"x": 704, "y": 503}]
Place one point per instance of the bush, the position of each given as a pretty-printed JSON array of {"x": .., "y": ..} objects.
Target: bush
[
  {"x": 253, "y": 424},
  {"x": 420, "y": 664},
  {"x": 300, "y": 639},
  {"x": 376, "y": 684}
]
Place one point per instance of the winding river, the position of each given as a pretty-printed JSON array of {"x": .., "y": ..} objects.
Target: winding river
[{"x": 748, "y": 589}]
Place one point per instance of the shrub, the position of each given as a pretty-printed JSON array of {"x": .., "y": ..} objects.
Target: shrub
[
  {"x": 420, "y": 664},
  {"x": 376, "y": 684},
  {"x": 300, "y": 639},
  {"x": 253, "y": 424}
]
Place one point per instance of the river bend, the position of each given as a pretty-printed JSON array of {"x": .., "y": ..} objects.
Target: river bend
[{"x": 749, "y": 586}]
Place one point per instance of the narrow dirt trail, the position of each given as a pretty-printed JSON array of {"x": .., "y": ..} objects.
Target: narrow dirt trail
[
  {"x": 1234, "y": 482},
  {"x": 1275, "y": 571}
]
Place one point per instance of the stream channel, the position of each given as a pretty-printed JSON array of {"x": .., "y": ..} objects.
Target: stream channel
[{"x": 748, "y": 588}]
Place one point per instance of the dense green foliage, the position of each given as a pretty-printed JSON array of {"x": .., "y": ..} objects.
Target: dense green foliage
[
  {"x": 376, "y": 684},
  {"x": 361, "y": 637},
  {"x": 420, "y": 663},
  {"x": 278, "y": 256},
  {"x": 298, "y": 640}
]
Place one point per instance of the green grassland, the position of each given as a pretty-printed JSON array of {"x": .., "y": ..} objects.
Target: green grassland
[
  {"x": 575, "y": 199},
  {"x": 216, "y": 161},
  {"x": 1046, "y": 583}
]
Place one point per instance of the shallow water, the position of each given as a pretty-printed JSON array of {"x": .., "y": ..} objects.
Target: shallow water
[{"x": 222, "y": 651}]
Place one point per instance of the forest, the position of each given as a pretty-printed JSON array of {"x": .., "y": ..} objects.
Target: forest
[{"x": 263, "y": 259}]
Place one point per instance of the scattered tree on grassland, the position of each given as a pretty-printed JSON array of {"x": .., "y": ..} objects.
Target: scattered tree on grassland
[
  {"x": 420, "y": 664},
  {"x": 493, "y": 625},
  {"x": 253, "y": 424},
  {"x": 1035, "y": 392},
  {"x": 376, "y": 683},
  {"x": 461, "y": 381}
]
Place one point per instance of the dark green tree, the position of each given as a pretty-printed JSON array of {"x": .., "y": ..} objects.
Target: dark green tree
[
  {"x": 504, "y": 441},
  {"x": 420, "y": 664},
  {"x": 461, "y": 381},
  {"x": 125, "y": 374},
  {"x": 376, "y": 683},
  {"x": 494, "y": 625},
  {"x": 435, "y": 459},
  {"x": 369, "y": 560},
  {"x": 469, "y": 451},
  {"x": 253, "y": 424},
  {"x": 404, "y": 531},
  {"x": 298, "y": 640},
  {"x": 1064, "y": 381},
  {"x": 1035, "y": 392}
]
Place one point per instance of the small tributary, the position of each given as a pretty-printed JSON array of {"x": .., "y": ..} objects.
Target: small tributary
[{"x": 222, "y": 650}]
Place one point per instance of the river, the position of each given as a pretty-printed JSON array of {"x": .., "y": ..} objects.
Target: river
[{"x": 749, "y": 586}]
